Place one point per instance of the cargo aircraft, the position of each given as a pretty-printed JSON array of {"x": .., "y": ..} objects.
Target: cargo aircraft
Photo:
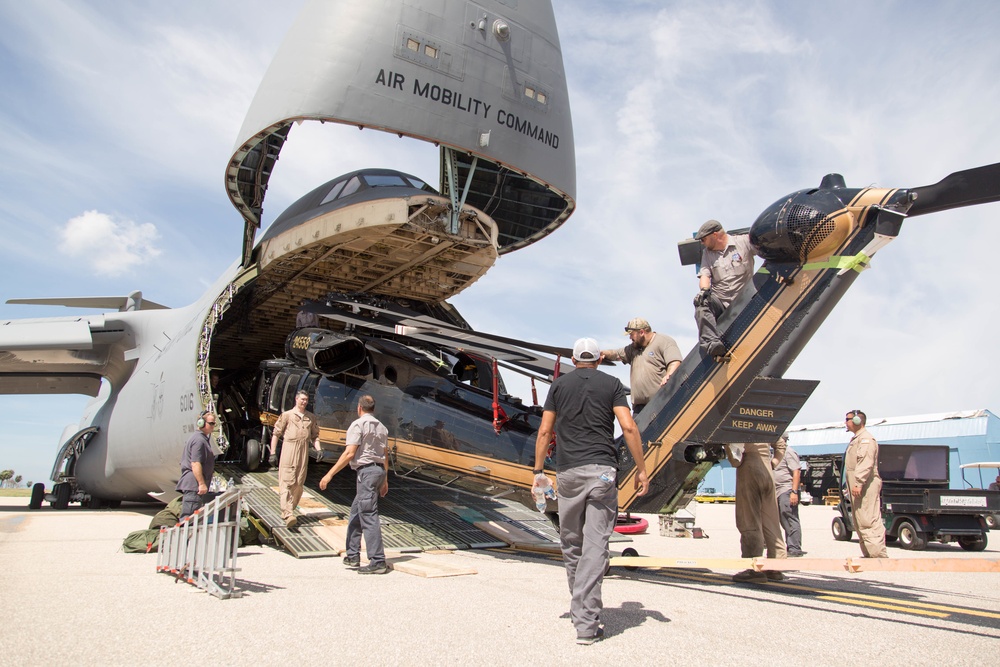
[
  {"x": 482, "y": 82},
  {"x": 375, "y": 255}
]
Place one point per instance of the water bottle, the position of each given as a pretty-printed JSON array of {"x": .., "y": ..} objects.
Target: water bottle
[{"x": 541, "y": 490}]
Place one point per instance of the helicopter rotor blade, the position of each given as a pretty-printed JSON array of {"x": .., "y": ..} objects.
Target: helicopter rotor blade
[
  {"x": 979, "y": 185},
  {"x": 416, "y": 324}
]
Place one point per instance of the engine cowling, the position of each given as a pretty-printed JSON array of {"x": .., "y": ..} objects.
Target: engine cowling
[{"x": 324, "y": 351}]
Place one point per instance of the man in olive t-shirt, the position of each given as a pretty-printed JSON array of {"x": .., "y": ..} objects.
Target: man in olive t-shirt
[{"x": 653, "y": 358}]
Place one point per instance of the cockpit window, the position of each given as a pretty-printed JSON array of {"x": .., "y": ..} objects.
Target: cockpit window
[
  {"x": 351, "y": 187},
  {"x": 385, "y": 180},
  {"x": 417, "y": 183},
  {"x": 334, "y": 193}
]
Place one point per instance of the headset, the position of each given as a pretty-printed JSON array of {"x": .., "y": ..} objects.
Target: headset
[
  {"x": 201, "y": 419},
  {"x": 856, "y": 420}
]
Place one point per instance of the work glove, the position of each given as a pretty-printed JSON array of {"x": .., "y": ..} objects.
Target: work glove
[
  {"x": 272, "y": 460},
  {"x": 701, "y": 298}
]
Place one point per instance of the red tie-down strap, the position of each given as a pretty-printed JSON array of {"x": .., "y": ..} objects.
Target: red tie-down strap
[{"x": 499, "y": 416}]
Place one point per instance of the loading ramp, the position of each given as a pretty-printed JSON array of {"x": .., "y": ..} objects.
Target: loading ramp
[{"x": 416, "y": 516}]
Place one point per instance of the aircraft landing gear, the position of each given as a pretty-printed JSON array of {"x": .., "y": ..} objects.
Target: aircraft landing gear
[
  {"x": 62, "y": 492},
  {"x": 37, "y": 496}
]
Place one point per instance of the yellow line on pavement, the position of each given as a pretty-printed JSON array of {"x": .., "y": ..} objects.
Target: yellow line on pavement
[
  {"x": 889, "y": 607},
  {"x": 861, "y": 599}
]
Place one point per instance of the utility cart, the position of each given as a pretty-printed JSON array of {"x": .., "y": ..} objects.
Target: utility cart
[{"x": 917, "y": 505}]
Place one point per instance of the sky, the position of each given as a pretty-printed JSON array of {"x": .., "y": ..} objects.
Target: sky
[{"x": 119, "y": 121}]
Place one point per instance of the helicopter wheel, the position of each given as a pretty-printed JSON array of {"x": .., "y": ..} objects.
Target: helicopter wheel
[{"x": 251, "y": 455}]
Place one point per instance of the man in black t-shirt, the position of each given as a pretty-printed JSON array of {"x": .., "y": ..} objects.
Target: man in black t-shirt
[{"x": 581, "y": 408}]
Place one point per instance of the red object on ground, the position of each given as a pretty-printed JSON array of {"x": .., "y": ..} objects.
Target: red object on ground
[{"x": 629, "y": 525}]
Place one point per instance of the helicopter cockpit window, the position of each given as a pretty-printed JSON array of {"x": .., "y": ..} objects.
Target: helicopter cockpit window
[
  {"x": 277, "y": 391},
  {"x": 289, "y": 389}
]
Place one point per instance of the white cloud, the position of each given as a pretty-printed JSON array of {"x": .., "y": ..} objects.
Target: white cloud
[{"x": 111, "y": 246}]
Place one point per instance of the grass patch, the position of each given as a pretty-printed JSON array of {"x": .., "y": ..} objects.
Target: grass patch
[{"x": 15, "y": 493}]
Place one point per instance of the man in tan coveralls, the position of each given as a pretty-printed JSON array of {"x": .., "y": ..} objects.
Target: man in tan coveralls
[
  {"x": 757, "y": 507},
  {"x": 298, "y": 427},
  {"x": 865, "y": 485}
]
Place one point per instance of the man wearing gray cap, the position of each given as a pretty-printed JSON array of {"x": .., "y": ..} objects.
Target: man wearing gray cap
[
  {"x": 726, "y": 266},
  {"x": 581, "y": 408},
  {"x": 653, "y": 359}
]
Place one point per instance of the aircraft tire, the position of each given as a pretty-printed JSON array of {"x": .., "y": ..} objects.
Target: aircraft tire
[
  {"x": 37, "y": 496},
  {"x": 840, "y": 532},
  {"x": 251, "y": 455},
  {"x": 62, "y": 492},
  {"x": 95, "y": 503}
]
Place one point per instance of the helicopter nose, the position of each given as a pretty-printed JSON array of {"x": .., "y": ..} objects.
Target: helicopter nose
[{"x": 805, "y": 225}]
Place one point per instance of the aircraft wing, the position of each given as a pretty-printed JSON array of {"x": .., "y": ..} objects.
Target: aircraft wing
[
  {"x": 60, "y": 355},
  {"x": 132, "y": 301}
]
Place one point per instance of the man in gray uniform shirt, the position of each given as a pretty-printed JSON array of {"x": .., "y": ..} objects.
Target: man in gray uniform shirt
[
  {"x": 726, "y": 266},
  {"x": 197, "y": 466},
  {"x": 366, "y": 441},
  {"x": 787, "y": 484},
  {"x": 653, "y": 357}
]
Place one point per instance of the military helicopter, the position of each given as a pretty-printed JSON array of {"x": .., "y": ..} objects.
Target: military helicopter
[{"x": 451, "y": 421}]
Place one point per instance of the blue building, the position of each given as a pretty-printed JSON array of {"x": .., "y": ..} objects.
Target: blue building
[{"x": 971, "y": 435}]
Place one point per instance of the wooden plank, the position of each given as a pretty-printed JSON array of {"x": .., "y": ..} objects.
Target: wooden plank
[
  {"x": 817, "y": 564},
  {"x": 927, "y": 565},
  {"x": 332, "y": 534},
  {"x": 431, "y": 567}
]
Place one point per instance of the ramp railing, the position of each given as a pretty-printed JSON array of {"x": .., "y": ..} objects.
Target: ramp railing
[{"x": 202, "y": 548}]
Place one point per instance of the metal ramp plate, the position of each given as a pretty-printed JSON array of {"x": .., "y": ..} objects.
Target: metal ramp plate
[{"x": 411, "y": 517}]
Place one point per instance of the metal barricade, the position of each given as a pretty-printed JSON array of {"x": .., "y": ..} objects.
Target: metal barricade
[{"x": 202, "y": 548}]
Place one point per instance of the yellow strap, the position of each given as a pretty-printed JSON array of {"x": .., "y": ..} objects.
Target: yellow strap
[{"x": 858, "y": 263}]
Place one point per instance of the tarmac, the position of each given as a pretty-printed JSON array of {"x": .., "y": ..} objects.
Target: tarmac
[{"x": 72, "y": 596}]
